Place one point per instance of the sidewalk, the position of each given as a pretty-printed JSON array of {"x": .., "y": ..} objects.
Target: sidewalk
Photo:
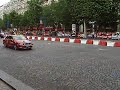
[
  {"x": 8, "y": 82},
  {"x": 4, "y": 86}
]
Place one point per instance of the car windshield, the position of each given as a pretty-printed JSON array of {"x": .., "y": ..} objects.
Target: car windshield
[{"x": 20, "y": 37}]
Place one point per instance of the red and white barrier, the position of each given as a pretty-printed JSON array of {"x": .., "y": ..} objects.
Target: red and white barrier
[
  {"x": 102, "y": 43},
  {"x": 89, "y": 42},
  {"x": 78, "y": 41},
  {"x": 117, "y": 44},
  {"x": 49, "y": 38}
]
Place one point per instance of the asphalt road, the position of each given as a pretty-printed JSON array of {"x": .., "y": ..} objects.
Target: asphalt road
[{"x": 63, "y": 66}]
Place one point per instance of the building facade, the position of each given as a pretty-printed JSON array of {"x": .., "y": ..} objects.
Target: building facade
[
  {"x": 20, "y": 6},
  {"x": 1, "y": 11}
]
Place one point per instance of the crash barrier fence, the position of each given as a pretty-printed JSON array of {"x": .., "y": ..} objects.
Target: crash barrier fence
[{"x": 78, "y": 41}]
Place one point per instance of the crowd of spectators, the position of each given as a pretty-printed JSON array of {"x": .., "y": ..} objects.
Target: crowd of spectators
[{"x": 101, "y": 35}]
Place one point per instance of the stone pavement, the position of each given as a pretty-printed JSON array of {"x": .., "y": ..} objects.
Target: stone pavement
[{"x": 61, "y": 66}]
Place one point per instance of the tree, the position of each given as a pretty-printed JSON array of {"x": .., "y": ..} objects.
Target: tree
[
  {"x": 35, "y": 11},
  {"x": 104, "y": 12},
  {"x": 25, "y": 19},
  {"x": 66, "y": 12},
  {"x": 14, "y": 18},
  {"x": 1, "y": 23},
  {"x": 58, "y": 12},
  {"x": 6, "y": 21}
]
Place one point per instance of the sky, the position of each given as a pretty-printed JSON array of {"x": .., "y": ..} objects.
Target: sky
[{"x": 3, "y": 2}]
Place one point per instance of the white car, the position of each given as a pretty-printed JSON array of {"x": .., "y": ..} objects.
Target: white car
[
  {"x": 60, "y": 34},
  {"x": 2, "y": 35},
  {"x": 67, "y": 35},
  {"x": 116, "y": 37},
  {"x": 90, "y": 35}
]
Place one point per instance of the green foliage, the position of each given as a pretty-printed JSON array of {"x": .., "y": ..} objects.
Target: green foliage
[
  {"x": 34, "y": 11},
  {"x": 5, "y": 20},
  {"x": 58, "y": 12},
  {"x": 104, "y": 12},
  {"x": 14, "y": 18},
  {"x": 1, "y": 23}
]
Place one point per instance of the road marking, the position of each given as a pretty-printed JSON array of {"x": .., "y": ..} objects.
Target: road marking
[
  {"x": 101, "y": 49},
  {"x": 49, "y": 43}
]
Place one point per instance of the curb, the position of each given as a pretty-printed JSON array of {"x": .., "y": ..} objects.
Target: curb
[
  {"x": 77, "y": 41},
  {"x": 12, "y": 82},
  {"x": 5, "y": 85}
]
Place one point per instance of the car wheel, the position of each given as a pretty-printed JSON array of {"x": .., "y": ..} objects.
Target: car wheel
[
  {"x": 30, "y": 48},
  {"x": 15, "y": 47}
]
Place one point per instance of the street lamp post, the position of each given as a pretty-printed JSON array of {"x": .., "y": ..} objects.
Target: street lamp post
[
  {"x": 93, "y": 26},
  {"x": 118, "y": 25},
  {"x": 56, "y": 26},
  {"x": 84, "y": 29},
  {"x": 84, "y": 18}
]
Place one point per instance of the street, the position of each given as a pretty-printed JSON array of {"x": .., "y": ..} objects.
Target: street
[{"x": 63, "y": 66}]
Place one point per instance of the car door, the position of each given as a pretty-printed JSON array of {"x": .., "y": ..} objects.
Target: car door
[
  {"x": 8, "y": 41},
  {"x": 5, "y": 41},
  {"x": 11, "y": 41}
]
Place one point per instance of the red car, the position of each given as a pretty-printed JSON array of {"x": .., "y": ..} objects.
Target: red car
[{"x": 17, "y": 42}]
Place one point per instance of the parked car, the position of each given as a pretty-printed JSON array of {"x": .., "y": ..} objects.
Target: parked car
[
  {"x": 73, "y": 34},
  {"x": 116, "y": 36},
  {"x": 81, "y": 35},
  {"x": 60, "y": 34},
  {"x": 17, "y": 42},
  {"x": 2, "y": 35},
  {"x": 67, "y": 35},
  {"x": 46, "y": 33}
]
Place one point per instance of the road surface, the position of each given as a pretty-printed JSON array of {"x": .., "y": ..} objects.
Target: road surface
[{"x": 63, "y": 66}]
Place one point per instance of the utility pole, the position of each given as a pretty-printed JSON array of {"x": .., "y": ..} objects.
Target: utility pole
[
  {"x": 84, "y": 28},
  {"x": 93, "y": 26}
]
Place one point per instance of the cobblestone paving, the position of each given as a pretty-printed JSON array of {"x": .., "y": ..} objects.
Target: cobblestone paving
[
  {"x": 4, "y": 86},
  {"x": 64, "y": 66}
]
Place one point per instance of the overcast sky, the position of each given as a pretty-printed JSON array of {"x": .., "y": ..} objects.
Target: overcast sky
[{"x": 3, "y": 2}]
